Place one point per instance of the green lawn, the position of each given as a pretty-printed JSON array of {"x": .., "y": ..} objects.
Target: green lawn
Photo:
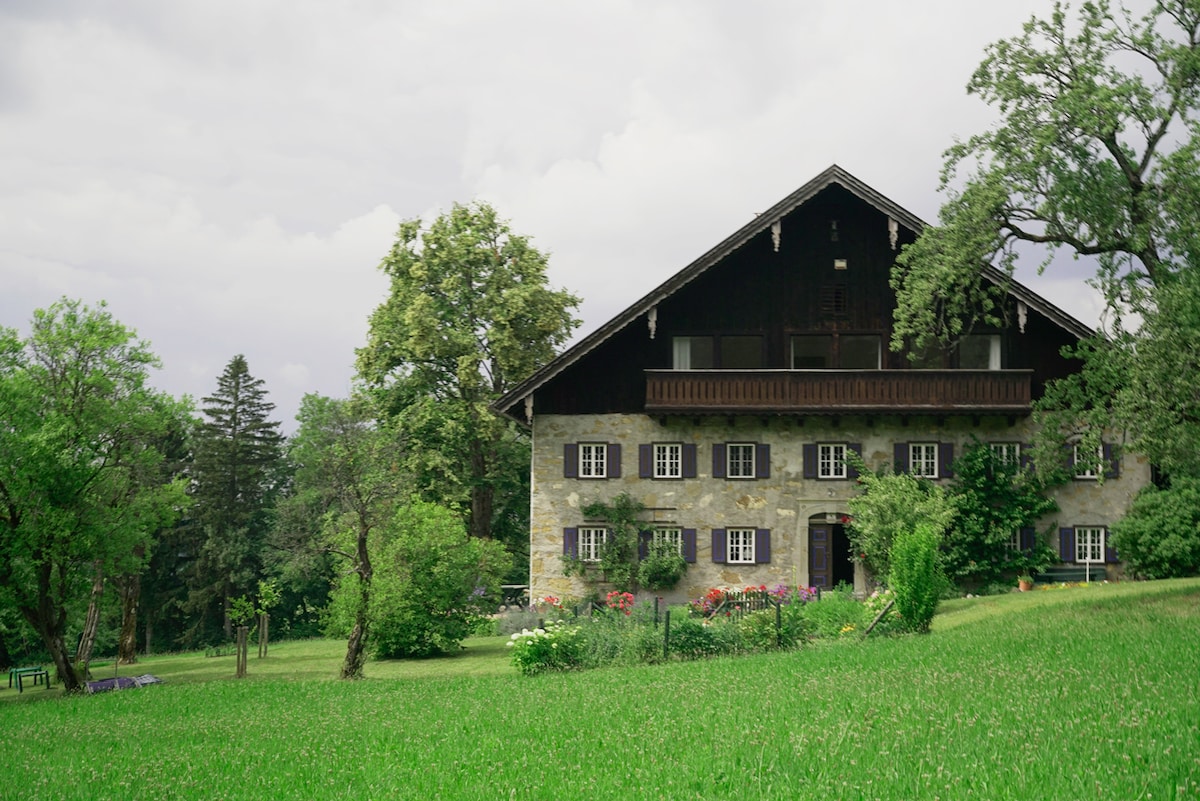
[{"x": 1082, "y": 693}]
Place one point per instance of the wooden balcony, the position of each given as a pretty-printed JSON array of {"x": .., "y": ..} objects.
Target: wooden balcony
[{"x": 838, "y": 391}]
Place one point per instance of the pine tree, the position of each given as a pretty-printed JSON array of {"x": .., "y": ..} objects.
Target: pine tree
[{"x": 238, "y": 463}]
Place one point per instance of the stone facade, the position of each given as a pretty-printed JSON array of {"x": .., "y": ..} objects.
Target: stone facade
[{"x": 785, "y": 503}]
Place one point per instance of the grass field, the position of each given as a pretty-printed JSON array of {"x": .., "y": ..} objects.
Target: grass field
[{"x": 1086, "y": 693}]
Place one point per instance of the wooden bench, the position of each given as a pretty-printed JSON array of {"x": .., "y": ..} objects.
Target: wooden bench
[{"x": 38, "y": 673}]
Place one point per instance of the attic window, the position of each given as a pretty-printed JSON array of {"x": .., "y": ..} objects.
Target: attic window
[
  {"x": 833, "y": 231},
  {"x": 833, "y": 300}
]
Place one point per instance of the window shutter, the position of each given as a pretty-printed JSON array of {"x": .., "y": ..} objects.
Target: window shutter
[
  {"x": 688, "y": 535},
  {"x": 718, "y": 450},
  {"x": 718, "y": 545},
  {"x": 645, "y": 461},
  {"x": 1066, "y": 544},
  {"x": 809, "y": 452},
  {"x": 762, "y": 546},
  {"x": 900, "y": 457},
  {"x": 945, "y": 458},
  {"x": 644, "y": 538},
  {"x": 1026, "y": 460},
  {"x": 1025, "y": 539},
  {"x": 1110, "y": 553},
  {"x": 762, "y": 461},
  {"x": 856, "y": 447},
  {"x": 1112, "y": 461},
  {"x": 614, "y": 461},
  {"x": 687, "y": 460},
  {"x": 570, "y": 460},
  {"x": 571, "y": 542}
]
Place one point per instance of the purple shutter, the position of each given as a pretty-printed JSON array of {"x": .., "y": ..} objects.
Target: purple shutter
[
  {"x": 1110, "y": 553},
  {"x": 1111, "y": 461},
  {"x": 809, "y": 452},
  {"x": 762, "y": 461},
  {"x": 1025, "y": 539},
  {"x": 1066, "y": 544},
  {"x": 644, "y": 539},
  {"x": 570, "y": 460},
  {"x": 688, "y": 535},
  {"x": 718, "y": 450},
  {"x": 900, "y": 457},
  {"x": 856, "y": 447},
  {"x": 1070, "y": 458},
  {"x": 945, "y": 459},
  {"x": 645, "y": 461},
  {"x": 687, "y": 459},
  {"x": 762, "y": 546},
  {"x": 571, "y": 542},
  {"x": 614, "y": 461},
  {"x": 718, "y": 545}
]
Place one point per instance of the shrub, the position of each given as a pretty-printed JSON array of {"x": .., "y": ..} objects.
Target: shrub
[
  {"x": 836, "y": 614},
  {"x": 917, "y": 577},
  {"x": 692, "y": 639},
  {"x": 555, "y": 647},
  {"x": 1160, "y": 537},
  {"x": 662, "y": 568},
  {"x": 892, "y": 503}
]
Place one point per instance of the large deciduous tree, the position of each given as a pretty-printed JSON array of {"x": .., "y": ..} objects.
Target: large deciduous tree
[
  {"x": 468, "y": 316},
  {"x": 236, "y": 475},
  {"x": 1095, "y": 155},
  {"x": 80, "y": 486}
]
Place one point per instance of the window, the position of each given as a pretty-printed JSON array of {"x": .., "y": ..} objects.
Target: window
[
  {"x": 693, "y": 353},
  {"x": 593, "y": 460},
  {"x": 831, "y": 460},
  {"x": 1089, "y": 544},
  {"x": 1014, "y": 541},
  {"x": 668, "y": 460},
  {"x": 979, "y": 352},
  {"x": 1007, "y": 453},
  {"x": 812, "y": 352},
  {"x": 591, "y": 542},
  {"x": 841, "y": 351},
  {"x": 740, "y": 457},
  {"x": 858, "y": 352},
  {"x": 923, "y": 459},
  {"x": 740, "y": 548},
  {"x": 670, "y": 538},
  {"x": 1085, "y": 467}
]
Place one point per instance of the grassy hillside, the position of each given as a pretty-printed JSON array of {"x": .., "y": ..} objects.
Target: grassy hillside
[{"x": 1066, "y": 694}]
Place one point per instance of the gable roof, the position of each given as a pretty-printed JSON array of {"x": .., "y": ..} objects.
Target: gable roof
[{"x": 762, "y": 222}]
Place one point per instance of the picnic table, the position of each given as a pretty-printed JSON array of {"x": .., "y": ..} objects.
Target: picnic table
[{"x": 36, "y": 672}]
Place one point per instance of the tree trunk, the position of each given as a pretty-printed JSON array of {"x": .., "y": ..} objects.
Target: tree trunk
[
  {"x": 264, "y": 621},
  {"x": 91, "y": 624},
  {"x": 130, "y": 589},
  {"x": 482, "y": 493},
  {"x": 149, "y": 634},
  {"x": 352, "y": 668}
]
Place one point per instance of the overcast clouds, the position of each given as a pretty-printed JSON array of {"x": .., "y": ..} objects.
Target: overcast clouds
[{"x": 227, "y": 175}]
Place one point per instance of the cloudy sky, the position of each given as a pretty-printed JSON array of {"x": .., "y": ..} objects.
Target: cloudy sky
[{"x": 228, "y": 174}]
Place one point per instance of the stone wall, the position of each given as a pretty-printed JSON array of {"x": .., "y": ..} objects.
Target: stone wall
[{"x": 784, "y": 503}]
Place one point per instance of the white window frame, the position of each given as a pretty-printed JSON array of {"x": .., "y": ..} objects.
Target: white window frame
[
  {"x": 591, "y": 542},
  {"x": 923, "y": 459},
  {"x": 1088, "y": 471},
  {"x": 740, "y": 466},
  {"x": 739, "y": 546},
  {"x": 1014, "y": 540},
  {"x": 593, "y": 460},
  {"x": 668, "y": 460},
  {"x": 831, "y": 460},
  {"x": 1007, "y": 452},
  {"x": 1089, "y": 544},
  {"x": 670, "y": 537}
]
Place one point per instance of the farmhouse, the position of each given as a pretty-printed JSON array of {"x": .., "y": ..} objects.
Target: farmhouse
[{"x": 726, "y": 399}]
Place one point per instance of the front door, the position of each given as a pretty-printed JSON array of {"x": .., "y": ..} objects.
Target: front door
[{"x": 829, "y": 561}]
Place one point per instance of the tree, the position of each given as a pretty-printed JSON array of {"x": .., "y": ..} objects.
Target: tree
[
  {"x": 994, "y": 500},
  {"x": 347, "y": 473},
  {"x": 80, "y": 487},
  {"x": 1160, "y": 537},
  {"x": 916, "y": 575},
  {"x": 468, "y": 316},
  {"x": 1095, "y": 154},
  {"x": 236, "y": 476}
]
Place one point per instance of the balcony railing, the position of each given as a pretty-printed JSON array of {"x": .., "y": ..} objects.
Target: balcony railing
[{"x": 838, "y": 391}]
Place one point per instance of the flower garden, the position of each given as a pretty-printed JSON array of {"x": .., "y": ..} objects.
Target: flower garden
[{"x": 725, "y": 621}]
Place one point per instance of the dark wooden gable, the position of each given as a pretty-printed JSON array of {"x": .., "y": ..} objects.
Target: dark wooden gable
[{"x": 823, "y": 270}]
